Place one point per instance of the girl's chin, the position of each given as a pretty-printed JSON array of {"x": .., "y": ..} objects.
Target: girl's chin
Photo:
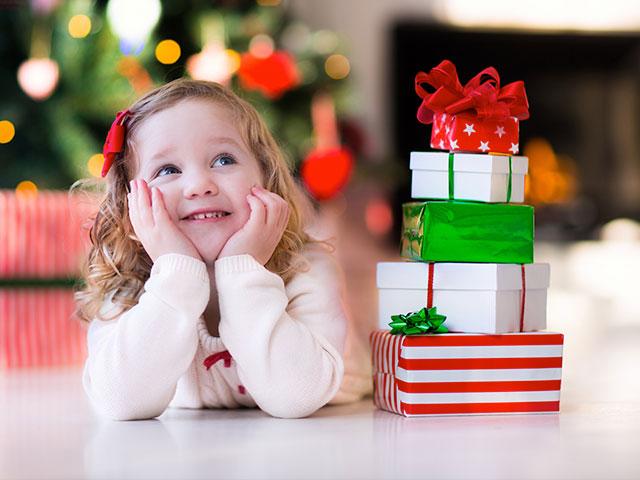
[{"x": 208, "y": 254}]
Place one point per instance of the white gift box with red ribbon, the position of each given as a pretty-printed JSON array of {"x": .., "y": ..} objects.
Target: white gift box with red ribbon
[
  {"x": 466, "y": 374},
  {"x": 475, "y": 297},
  {"x": 468, "y": 176}
]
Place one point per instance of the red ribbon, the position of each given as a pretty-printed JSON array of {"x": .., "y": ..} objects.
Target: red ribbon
[
  {"x": 114, "y": 142},
  {"x": 430, "y": 287},
  {"x": 481, "y": 96},
  {"x": 211, "y": 360},
  {"x": 524, "y": 296}
]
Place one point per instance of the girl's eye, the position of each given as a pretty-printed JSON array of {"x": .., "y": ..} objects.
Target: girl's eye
[
  {"x": 223, "y": 160},
  {"x": 169, "y": 169}
]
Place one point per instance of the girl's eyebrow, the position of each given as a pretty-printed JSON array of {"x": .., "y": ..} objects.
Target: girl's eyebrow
[
  {"x": 213, "y": 140},
  {"x": 227, "y": 140},
  {"x": 161, "y": 154}
]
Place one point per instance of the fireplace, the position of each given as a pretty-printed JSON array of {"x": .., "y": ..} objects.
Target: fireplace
[{"x": 583, "y": 137}]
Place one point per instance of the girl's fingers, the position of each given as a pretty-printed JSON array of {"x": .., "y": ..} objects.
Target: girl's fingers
[
  {"x": 273, "y": 204},
  {"x": 159, "y": 209},
  {"x": 132, "y": 204},
  {"x": 257, "y": 217},
  {"x": 144, "y": 203}
]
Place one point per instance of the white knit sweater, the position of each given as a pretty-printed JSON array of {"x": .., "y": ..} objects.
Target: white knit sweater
[{"x": 284, "y": 343}]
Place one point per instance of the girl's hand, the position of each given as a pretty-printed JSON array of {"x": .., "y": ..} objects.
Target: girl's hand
[
  {"x": 260, "y": 236},
  {"x": 152, "y": 224}
]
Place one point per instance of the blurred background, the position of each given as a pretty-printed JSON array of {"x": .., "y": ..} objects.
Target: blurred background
[{"x": 334, "y": 80}]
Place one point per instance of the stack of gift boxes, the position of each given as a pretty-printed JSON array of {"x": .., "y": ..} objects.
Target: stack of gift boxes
[
  {"x": 470, "y": 251},
  {"x": 42, "y": 246}
]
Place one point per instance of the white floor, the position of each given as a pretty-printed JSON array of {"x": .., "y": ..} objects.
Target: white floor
[{"x": 48, "y": 431}]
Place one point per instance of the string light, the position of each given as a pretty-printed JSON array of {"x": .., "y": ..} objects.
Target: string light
[
  {"x": 168, "y": 51},
  {"x": 94, "y": 165},
  {"x": 79, "y": 26},
  {"x": 7, "y": 131},
  {"x": 337, "y": 66}
]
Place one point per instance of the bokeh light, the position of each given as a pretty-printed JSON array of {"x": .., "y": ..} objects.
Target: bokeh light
[
  {"x": 378, "y": 216},
  {"x": 168, "y": 51},
  {"x": 337, "y": 66},
  {"x": 26, "y": 189},
  {"x": 133, "y": 21},
  {"x": 94, "y": 165},
  {"x": 261, "y": 46},
  {"x": 268, "y": 3},
  {"x": 324, "y": 42},
  {"x": 234, "y": 60},
  {"x": 79, "y": 26},
  {"x": 7, "y": 131},
  {"x": 213, "y": 63},
  {"x": 38, "y": 77}
]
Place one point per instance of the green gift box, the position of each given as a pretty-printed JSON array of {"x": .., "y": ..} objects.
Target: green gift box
[{"x": 467, "y": 232}]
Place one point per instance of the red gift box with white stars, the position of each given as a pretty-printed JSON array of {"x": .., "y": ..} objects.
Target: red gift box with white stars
[
  {"x": 466, "y": 133},
  {"x": 479, "y": 116}
]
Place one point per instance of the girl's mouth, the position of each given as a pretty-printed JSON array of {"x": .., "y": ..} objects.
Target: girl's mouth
[{"x": 207, "y": 216}]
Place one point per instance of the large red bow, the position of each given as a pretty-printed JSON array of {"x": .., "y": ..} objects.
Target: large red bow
[
  {"x": 481, "y": 95},
  {"x": 114, "y": 142}
]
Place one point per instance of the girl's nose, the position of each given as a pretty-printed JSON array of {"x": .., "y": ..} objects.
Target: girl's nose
[{"x": 200, "y": 184}]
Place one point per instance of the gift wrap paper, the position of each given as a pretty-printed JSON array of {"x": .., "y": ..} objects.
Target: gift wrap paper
[
  {"x": 465, "y": 132},
  {"x": 463, "y": 176},
  {"x": 475, "y": 297},
  {"x": 438, "y": 231},
  {"x": 37, "y": 328},
  {"x": 466, "y": 374},
  {"x": 44, "y": 236}
]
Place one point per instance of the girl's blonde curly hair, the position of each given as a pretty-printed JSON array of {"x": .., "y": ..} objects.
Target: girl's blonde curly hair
[{"x": 117, "y": 262}]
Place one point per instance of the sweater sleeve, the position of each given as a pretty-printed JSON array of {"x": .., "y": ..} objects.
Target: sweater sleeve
[
  {"x": 287, "y": 341},
  {"x": 135, "y": 360}
]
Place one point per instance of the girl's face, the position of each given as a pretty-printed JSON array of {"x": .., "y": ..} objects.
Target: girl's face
[{"x": 196, "y": 157}]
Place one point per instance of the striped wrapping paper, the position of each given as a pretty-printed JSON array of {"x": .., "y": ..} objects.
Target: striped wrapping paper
[
  {"x": 466, "y": 374},
  {"x": 42, "y": 236},
  {"x": 37, "y": 329}
]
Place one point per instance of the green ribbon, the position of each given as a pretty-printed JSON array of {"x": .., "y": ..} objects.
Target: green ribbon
[
  {"x": 416, "y": 323},
  {"x": 451, "y": 176},
  {"x": 452, "y": 172},
  {"x": 509, "y": 181}
]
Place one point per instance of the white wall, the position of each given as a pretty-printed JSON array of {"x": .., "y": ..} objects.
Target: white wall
[{"x": 364, "y": 25}]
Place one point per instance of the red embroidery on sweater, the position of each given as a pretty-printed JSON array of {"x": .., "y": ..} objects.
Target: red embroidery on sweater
[
  {"x": 242, "y": 390},
  {"x": 212, "y": 359}
]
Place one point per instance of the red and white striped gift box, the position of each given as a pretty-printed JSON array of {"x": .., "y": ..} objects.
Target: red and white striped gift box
[
  {"x": 37, "y": 329},
  {"x": 466, "y": 374},
  {"x": 42, "y": 236}
]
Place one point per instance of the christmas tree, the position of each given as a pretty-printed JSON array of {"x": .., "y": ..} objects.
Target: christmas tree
[{"x": 69, "y": 66}]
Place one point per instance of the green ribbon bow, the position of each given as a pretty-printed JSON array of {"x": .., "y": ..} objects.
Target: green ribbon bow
[{"x": 416, "y": 323}]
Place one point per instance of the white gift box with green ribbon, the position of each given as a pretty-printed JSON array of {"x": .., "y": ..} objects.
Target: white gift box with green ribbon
[
  {"x": 475, "y": 297},
  {"x": 468, "y": 176}
]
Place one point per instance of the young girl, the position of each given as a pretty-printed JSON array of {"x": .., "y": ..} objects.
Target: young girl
[{"x": 203, "y": 289}]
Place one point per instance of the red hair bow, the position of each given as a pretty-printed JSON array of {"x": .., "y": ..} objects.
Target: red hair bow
[
  {"x": 481, "y": 95},
  {"x": 114, "y": 142}
]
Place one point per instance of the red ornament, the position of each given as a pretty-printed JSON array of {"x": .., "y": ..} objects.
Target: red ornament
[
  {"x": 326, "y": 171},
  {"x": 272, "y": 76}
]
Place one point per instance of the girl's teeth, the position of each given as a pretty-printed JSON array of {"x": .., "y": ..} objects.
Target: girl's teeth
[{"x": 202, "y": 216}]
